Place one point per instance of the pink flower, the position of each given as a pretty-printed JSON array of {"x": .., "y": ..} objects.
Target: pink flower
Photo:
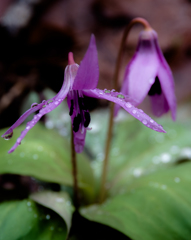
[
  {"x": 148, "y": 73},
  {"x": 79, "y": 81}
]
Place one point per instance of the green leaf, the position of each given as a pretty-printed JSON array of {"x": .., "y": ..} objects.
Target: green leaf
[
  {"x": 25, "y": 220},
  {"x": 149, "y": 192},
  {"x": 45, "y": 155},
  {"x": 58, "y": 202},
  {"x": 157, "y": 206},
  {"x": 140, "y": 151}
]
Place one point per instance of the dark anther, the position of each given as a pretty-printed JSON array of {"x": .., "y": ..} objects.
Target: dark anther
[
  {"x": 71, "y": 108},
  {"x": 87, "y": 119},
  {"x": 155, "y": 88},
  {"x": 76, "y": 123},
  {"x": 81, "y": 103}
]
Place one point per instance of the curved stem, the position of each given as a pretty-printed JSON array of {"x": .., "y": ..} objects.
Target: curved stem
[
  {"x": 74, "y": 171},
  {"x": 115, "y": 86}
]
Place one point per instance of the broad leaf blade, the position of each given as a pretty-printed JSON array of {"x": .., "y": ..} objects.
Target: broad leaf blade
[
  {"x": 58, "y": 202},
  {"x": 157, "y": 206},
  {"x": 45, "y": 155},
  {"x": 25, "y": 220}
]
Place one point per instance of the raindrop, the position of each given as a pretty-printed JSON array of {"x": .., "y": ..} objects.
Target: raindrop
[
  {"x": 156, "y": 160},
  {"x": 40, "y": 148},
  {"x": 128, "y": 105},
  {"x": 113, "y": 90},
  {"x": 59, "y": 200},
  {"x": 137, "y": 172},
  {"x": 28, "y": 127},
  {"x": 107, "y": 91},
  {"x": 56, "y": 103},
  {"x": 165, "y": 157},
  {"x": 140, "y": 110},
  {"x": 43, "y": 101},
  {"x": 152, "y": 121},
  {"x": 47, "y": 216},
  {"x": 186, "y": 152},
  {"x": 35, "y": 156},
  {"x": 34, "y": 105},
  {"x": 8, "y": 136},
  {"x": 44, "y": 106},
  {"x": 35, "y": 215},
  {"x": 177, "y": 179},
  {"x": 29, "y": 204},
  {"x": 100, "y": 93},
  {"x": 174, "y": 149},
  {"x": 144, "y": 122},
  {"x": 120, "y": 96},
  {"x": 50, "y": 101},
  {"x": 134, "y": 111},
  {"x": 163, "y": 187},
  {"x": 22, "y": 154}
]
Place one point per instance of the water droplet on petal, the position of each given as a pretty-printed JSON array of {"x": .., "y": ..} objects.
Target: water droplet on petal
[
  {"x": 8, "y": 136},
  {"x": 34, "y": 105},
  {"x": 120, "y": 96},
  {"x": 144, "y": 122},
  {"x": 56, "y": 103},
  {"x": 152, "y": 121},
  {"x": 50, "y": 101},
  {"x": 28, "y": 127},
  {"x": 140, "y": 110},
  {"x": 107, "y": 91},
  {"x": 134, "y": 111},
  {"x": 43, "y": 101},
  {"x": 128, "y": 105}
]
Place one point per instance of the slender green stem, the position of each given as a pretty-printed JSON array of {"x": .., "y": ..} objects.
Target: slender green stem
[
  {"x": 74, "y": 171},
  {"x": 115, "y": 86}
]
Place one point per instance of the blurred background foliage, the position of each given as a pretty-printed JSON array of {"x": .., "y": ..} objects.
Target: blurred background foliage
[{"x": 149, "y": 179}]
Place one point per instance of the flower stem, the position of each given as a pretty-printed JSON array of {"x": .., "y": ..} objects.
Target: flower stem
[
  {"x": 74, "y": 171},
  {"x": 115, "y": 86}
]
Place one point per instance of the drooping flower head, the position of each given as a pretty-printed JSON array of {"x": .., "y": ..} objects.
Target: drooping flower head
[
  {"x": 79, "y": 81},
  {"x": 148, "y": 73}
]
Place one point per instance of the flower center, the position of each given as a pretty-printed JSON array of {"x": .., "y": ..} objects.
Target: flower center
[
  {"x": 78, "y": 111},
  {"x": 155, "y": 88}
]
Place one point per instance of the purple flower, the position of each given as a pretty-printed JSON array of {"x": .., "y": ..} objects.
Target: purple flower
[
  {"x": 149, "y": 73},
  {"x": 79, "y": 81}
]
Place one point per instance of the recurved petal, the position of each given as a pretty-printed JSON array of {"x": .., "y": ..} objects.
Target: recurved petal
[
  {"x": 34, "y": 108},
  {"x": 88, "y": 72},
  {"x": 127, "y": 103},
  {"x": 47, "y": 107},
  {"x": 166, "y": 81},
  {"x": 159, "y": 104},
  {"x": 69, "y": 76}
]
